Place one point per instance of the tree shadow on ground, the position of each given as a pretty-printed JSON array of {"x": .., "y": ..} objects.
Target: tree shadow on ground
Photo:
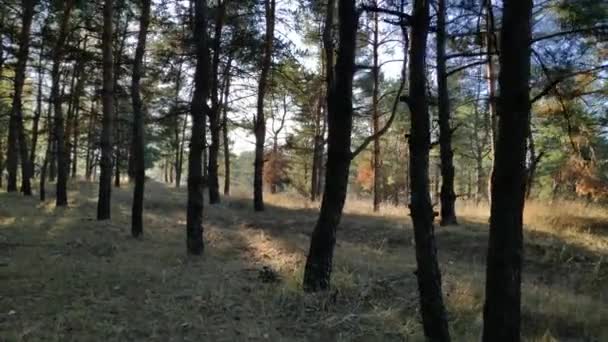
[{"x": 82, "y": 279}]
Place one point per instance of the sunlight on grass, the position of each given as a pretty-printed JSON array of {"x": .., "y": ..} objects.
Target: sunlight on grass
[{"x": 69, "y": 276}]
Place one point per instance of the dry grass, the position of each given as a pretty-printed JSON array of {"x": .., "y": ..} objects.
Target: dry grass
[{"x": 66, "y": 277}]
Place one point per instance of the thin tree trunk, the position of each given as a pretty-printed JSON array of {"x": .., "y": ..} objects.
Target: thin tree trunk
[
  {"x": 214, "y": 118},
  {"x": 328, "y": 49},
  {"x": 491, "y": 48},
  {"x": 17, "y": 141},
  {"x": 105, "y": 163},
  {"x": 260, "y": 120},
  {"x": 60, "y": 150},
  {"x": 225, "y": 129},
  {"x": 376, "y": 158},
  {"x": 198, "y": 111},
  {"x": 38, "y": 111},
  {"x": 447, "y": 195},
  {"x": 432, "y": 309},
  {"x": 502, "y": 308},
  {"x": 138, "y": 122},
  {"x": 317, "y": 273},
  {"x": 90, "y": 148}
]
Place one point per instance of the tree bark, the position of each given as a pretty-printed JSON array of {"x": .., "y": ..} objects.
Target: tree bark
[
  {"x": 491, "y": 49},
  {"x": 317, "y": 273},
  {"x": 260, "y": 119},
  {"x": 447, "y": 195},
  {"x": 17, "y": 141},
  {"x": 138, "y": 122},
  {"x": 376, "y": 158},
  {"x": 214, "y": 118},
  {"x": 105, "y": 163},
  {"x": 58, "y": 126},
  {"x": 434, "y": 317},
  {"x": 198, "y": 110},
  {"x": 502, "y": 308},
  {"x": 38, "y": 111},
  {"x": 225, "y": 129}
]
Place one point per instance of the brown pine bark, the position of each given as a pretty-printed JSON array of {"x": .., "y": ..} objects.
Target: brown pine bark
[
  {"x": 198, "y": 111},
  {"x": 447, "y": 194},
  {"x": 502, "y": 308},
  {"x": 138, "y": 122},
  {"x": 105, "y": 162},
  {"x": 317, "y": 273},
  {"x": 17, "y": 143},
  {"x": 60, "y": 146},
  {"x": 260, "y": 119},
  {"x": 432, "y": 309}
]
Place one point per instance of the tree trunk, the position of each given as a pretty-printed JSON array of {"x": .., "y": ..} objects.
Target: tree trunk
[
  {"x": 491, "y": 47},
  {"x": 447, "y": 195},
  {"x": 58, "y": 126},
  {"x": 328, "y": 49},
  {"x": 225, "y": 129},
  {"x": 317, "y": 273},
  {"x": 260, "y": 120},
  {"x": 214, "y": 118},
  {"x": 105, "y": 163},
  {"x": 376, "y": 158},
  {"x": 502, "y": 308},
  {"x": 17, "y": 141},
  {"x": 198, "y": 110},
  {"x": 138, "y": 122},
  {"x": 38, "y": 112},
  {"x": 90, "y": 148},
  {"x": 432, "y": 309}
]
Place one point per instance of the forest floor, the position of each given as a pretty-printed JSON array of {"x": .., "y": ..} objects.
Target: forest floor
[{"x": 66, "y": 277}]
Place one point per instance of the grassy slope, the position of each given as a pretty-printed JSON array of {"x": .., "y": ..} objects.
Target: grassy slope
[{"x": 66, "y": 277}]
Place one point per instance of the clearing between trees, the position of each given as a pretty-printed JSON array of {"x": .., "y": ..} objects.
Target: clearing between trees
[{"x": 67, "y": 277}]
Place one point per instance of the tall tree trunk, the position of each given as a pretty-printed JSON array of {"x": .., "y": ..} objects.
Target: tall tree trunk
[
  {"x": 138, "y": 122},
  {"x": 376, "y": 158},
  {"x": 214, "y": 118},
  {"x": 38, "y": 111},
  {"x": 58, "y": 126},
  {"x": 118, "y": 132},
  {"x": 491, "y": 47},
  {"x": 502, "y": 308},
  {"x": 198, "y": 111},
  {"x": 434, "y": 317},
  {"x": 447, "y": 195},
  {"x": 179, "y": 166},
  {"x": 74, "y": 123},
  {"x": 90, "y": 147},
  {"x": 105, "y": 163},
  {"x": 260, "y": 120},
  {"x": 225, "y": 128},
  {"x": 17, "y": 141},
  {"x": 328, "y": 50},
  {"x": 48, "y": 151},
  {"x": 177, "y": 142},
  {"x": 317, "y": 273}
]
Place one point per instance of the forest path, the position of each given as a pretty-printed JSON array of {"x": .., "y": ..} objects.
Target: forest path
[{"x": 67, "y": 277}]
